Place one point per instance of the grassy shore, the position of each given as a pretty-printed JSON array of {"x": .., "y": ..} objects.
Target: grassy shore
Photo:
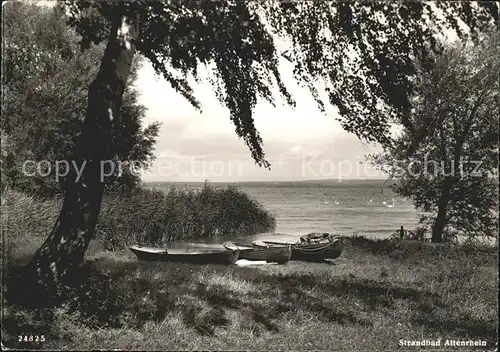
[{"x": 376, "y": 293}]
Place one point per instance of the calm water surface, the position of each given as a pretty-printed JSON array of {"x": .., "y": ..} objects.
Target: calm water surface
[
  {"x": 341, "y": 210},
  {"x": 338, "y": 208}
]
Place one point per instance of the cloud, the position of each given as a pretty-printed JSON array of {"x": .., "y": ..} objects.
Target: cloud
[{"x": 207, "y": 139}]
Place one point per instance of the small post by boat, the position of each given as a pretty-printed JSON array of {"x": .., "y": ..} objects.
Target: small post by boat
[{"x": 401, "y": 232}]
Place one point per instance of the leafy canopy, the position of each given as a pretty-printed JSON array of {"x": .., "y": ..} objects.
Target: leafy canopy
[
  {"x": 458, "y": 159},
  {"x": 45, "y": 86},
  {"x": 363, "y": 52}
]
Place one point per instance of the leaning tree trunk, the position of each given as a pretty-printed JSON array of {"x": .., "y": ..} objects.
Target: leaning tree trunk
[
  {"x": 64, "y": 249},
  {"x": 442, "y": 215}
]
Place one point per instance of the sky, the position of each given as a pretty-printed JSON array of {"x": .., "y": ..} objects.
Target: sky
[{"x": 301, "y": 143}]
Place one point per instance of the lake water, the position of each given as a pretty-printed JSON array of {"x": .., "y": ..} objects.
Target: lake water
[{"x": 340, "y": 208}]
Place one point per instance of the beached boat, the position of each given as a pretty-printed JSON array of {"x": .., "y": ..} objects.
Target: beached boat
[
  {"x": 317, "y": 237},
  {"x": 317, "y": 251},
  {"x": 279, "y": 255},
  {"x": 194, "y": 256},
  {"x": 309, "y": 247}
]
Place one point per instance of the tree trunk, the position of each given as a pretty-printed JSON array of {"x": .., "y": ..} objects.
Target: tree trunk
[
  {"x": 442, "y": 214},
  {"x": 64, "y": 249}
]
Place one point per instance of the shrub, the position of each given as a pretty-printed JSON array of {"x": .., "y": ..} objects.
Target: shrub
[
  {"x": 140, "y": 215},
  {"x": 154, "y": 217},
  {"x": 418, "y": 234}
]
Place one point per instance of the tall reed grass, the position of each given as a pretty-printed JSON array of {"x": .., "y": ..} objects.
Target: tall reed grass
[
  {"x": 145, "y": 216},
  {"x": 154, "y": 217}
]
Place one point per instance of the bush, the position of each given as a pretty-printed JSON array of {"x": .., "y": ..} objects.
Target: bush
[
  {"x": 141, "y": 215},
  {"x": 418, "y": 234},
  {"x": 154, "y": 217}
]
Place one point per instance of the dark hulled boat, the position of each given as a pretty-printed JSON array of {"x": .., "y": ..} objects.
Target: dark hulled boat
[
  {"x": 280, "y": 255},
  {"x": 310, "y": 247},
  {"x": 224, "y": 256}
]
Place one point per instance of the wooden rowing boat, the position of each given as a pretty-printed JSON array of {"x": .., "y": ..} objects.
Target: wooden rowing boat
[
  {"x": 279, "y": 255},
  {"x": 317, "y": 237},
  {"x": 317, "y": 251},
  {"x": 214, "y": 256},
  {"x": 326, "y": 247}
]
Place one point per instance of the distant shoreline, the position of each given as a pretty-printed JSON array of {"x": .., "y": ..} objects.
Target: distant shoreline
[{"x": 303, "y": 183}]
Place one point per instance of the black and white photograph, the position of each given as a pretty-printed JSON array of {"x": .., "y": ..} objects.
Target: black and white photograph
[{"x": 250, "y": 175}]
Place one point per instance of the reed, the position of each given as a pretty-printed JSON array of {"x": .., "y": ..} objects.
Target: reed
[{"x": 151, "y": 217}]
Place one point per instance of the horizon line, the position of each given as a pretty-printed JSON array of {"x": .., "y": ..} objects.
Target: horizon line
[{"x": 277, "y": 181}]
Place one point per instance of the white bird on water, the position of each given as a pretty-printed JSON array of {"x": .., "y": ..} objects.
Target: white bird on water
[
  {"x": 389, "y": 205},
  {"x": 335, "y": 201},
  {"x": 371, "y": 200}
]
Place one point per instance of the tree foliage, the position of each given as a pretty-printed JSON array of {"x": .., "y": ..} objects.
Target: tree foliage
[
  {"x": 365, "y": 53},
  {"x": 450, "y": 175},
  {"x": 45, "y": 83}
]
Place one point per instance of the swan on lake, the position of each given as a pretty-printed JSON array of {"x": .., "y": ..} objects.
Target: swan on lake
[
  {"x": 389, "y": 205},
  {"x": 335, "y": 201}
]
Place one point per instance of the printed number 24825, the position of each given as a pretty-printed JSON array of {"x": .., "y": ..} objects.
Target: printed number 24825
[{"x": 31, "y": 338}]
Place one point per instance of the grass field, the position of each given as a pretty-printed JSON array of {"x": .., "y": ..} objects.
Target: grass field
[{"x": 375, "y": 294}]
